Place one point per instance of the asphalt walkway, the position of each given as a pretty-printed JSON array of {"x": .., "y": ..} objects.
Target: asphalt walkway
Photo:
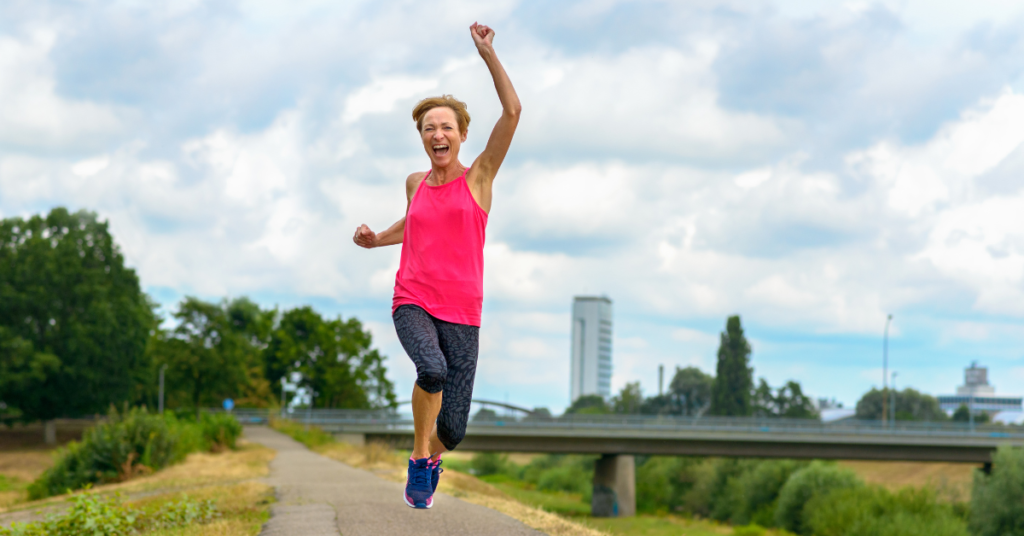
[{"x": 320, "y": 496}]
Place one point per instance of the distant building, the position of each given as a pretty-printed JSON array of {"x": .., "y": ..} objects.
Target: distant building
[
  {"x": 591, "y": 347},
  {"x": 977, "y": 394}
]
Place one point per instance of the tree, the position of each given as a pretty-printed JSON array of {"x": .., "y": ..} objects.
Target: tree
[
  {"x": 691, "y": 388},
  {"x": 730, "y": 393},
  {"x": 589, "y": 405},
  {"x": 963, "y": 414},
  {"x": 911, "y": 405},
  {"x": 787, "y": 401},
  {"x": 333, "y": 359},
  {"x": 629, "y": 399},
  {"x": 205, "y": 356},
  {"x": 76, "y": 322}
]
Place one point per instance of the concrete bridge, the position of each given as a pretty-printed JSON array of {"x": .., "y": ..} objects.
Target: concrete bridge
[{"x": 618, "y": 438}]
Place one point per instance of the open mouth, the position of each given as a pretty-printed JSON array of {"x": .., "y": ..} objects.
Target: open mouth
[{"x": 440, "y": 149}]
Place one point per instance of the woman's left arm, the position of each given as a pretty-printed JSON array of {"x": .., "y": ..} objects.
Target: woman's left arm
[{"x": 486, "y": 165}]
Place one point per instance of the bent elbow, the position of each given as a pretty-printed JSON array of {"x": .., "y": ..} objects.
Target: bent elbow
[{"x": 514, "y": 110}]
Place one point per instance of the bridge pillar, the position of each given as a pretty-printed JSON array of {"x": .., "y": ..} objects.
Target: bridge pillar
[{"x": 614, "y": 486}]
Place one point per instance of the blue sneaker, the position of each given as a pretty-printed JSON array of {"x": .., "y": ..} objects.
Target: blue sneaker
[
  {"x": 435, "y": 473},
  {"x": 418, "y": 492}
]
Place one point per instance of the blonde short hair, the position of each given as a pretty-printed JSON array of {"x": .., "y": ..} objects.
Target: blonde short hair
[{"x": 447, "y": 101}]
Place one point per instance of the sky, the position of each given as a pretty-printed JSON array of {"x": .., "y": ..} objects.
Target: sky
[{"x": 810, "y": 166}]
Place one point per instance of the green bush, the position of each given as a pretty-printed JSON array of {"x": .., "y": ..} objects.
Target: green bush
[
  {"x": 875, "y": 511},
  {"x": 752, "y": 494},
  {"x": 220, "y": 430},
  {"x": 127, "y": 444},
  {"x": 815, "y": 480},
  {"x": 997, "y": 500},
  {"x": 488, "y": 463},
  {"x": 107, "y": 516}
]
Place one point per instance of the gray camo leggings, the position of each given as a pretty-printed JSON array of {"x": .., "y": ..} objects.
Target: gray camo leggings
[{"x": 445, "y": 356}]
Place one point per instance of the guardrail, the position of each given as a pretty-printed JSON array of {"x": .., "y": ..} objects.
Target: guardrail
[{"x": 384, "y": 420}]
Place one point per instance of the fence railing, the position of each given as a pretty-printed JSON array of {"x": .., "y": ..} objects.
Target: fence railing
[{"x": 388, "y": 420}]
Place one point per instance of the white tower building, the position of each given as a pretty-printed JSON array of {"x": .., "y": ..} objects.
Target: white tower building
[{"x": 591, "y": 347}]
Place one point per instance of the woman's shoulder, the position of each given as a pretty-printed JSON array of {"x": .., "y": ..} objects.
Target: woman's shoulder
[{"x": 412, "y": 182}]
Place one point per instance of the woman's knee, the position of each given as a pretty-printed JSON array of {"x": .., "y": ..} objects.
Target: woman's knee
[
  {"x": 450, "y": 436},
  {"x": 431, "y": 378}
]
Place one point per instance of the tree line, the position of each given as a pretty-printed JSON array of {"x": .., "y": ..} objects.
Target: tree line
[
  {"x": 77, "y": 334},
  {"x": 691, "y": 392}
]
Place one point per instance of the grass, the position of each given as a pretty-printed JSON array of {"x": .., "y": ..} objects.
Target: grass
[{"x": 228, "y": 478}]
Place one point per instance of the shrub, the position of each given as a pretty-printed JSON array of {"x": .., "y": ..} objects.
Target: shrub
[
  {"x": 997, "y": 500},
  {"x": 815, "y": 480},
  {"x": 107, "y": 516},
  {"x": 875, "y": 511},
  {"x": 127, "y": 444},
  {"x": 488, "y": 463},
  {"x": 220, "y": 430},
  {"x": 752, "y": 494}
]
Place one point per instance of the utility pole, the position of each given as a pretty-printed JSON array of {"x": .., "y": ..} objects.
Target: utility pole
[
  {"x": 661, "y": 379},
  {"x": 893, "y": 403},
  {"x": 160, "y": 401},
  {"x": 284, "y": 402},
  {"x": 885, "y": 365}
]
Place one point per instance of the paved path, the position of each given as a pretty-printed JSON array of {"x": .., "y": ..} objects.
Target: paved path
[{"x": 320, "y": 496}]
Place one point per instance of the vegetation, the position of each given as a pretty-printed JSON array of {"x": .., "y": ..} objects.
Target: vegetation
[
  {"x": 131, "y": 443},
  {"x": 74, "y": 322},
  {"x": 333, "y": 359},
  {"x": 997, "y": 501},
  {"x": 730, "y": 393},
  {"x": 108, "y": 516},
  {"x": 875, "y": 511},
  {"x": 911, "y": 405}
]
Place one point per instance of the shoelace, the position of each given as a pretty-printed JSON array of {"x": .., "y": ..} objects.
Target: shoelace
[{"x": 420, "y": 477}]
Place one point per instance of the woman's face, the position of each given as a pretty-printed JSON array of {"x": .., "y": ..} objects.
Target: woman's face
[{"x": 441, "y": 137}]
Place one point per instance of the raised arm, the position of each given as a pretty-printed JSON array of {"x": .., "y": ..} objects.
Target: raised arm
[
  {"x": 486, "y": 165},
  {"x": 395, "y": 234}
]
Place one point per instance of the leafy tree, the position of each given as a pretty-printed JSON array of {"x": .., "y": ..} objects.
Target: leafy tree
[
  {"x": 910, "y": 405},
  {"x": 963, "y": 414},
  {"x": 205, "y": 357},
  {"x": 333, "y": 359},
  {"x": 539, "y": 414},
  {"x": 691, "y": 388},
  {"x": 485, "y": 415},
  {"x": 589, "y": 405},
  {"x": 997, "y": 500},
  {"x": 730, "y": 393},
  {"x": 629, "y": 399},
  {"x": 787, "y": 401},
  {"x": 812, "y": 481},
  {"x": 254, "y": 325},
  {"x": 75, "y": 320}
]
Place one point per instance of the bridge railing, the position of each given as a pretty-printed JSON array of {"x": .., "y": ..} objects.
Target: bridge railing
[{"x": 391, "y": 420}]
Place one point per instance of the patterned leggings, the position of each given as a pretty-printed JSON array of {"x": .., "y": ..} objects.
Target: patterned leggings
[{"x": 445, "y": 356}]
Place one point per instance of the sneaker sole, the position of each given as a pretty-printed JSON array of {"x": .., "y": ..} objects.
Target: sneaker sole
[{"x": 405, "y": 498}]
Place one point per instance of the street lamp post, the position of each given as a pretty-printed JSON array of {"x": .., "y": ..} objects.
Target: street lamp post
[
  {"x": 160, "y": 402},
  {"x": 885, "y": 365},
  {"x": 892, "y": 403}
]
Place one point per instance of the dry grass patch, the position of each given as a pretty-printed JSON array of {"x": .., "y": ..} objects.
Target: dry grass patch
[
  {"x": 243, "y": 510},
  {"x": 952, "y": 481}
]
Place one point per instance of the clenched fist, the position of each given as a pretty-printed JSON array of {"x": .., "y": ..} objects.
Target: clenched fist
[{"x": 365, "y": 237}]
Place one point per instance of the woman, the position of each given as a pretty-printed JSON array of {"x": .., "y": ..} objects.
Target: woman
[{"x": 439, "y": 286}]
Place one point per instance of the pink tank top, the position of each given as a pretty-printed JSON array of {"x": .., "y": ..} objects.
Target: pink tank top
[{"x": 442, "y": 266}]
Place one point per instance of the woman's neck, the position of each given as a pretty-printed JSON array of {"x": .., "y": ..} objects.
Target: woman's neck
[{"x": 444, "y": 175}]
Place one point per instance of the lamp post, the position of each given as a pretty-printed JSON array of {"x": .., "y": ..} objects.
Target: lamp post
[
  {"x": 885, "y": 365},
  {"x": 892, "y": 404},
  {"x": 160, "y": 402}
]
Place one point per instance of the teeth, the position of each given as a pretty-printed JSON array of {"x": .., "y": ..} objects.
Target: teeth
[{"x": 440, "y": 147}]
